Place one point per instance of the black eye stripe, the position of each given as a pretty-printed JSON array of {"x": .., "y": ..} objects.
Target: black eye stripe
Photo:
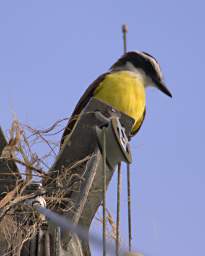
[{"x": 141, "y": 60}]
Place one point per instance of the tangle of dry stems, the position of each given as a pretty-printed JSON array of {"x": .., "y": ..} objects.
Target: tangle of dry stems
[{"x": 32, "y": 168}]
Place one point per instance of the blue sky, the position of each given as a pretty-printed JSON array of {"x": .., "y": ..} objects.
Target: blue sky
[{"x": 50, "y": 51}]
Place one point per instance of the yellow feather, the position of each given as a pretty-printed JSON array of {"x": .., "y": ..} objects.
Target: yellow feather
[{"x": 124, "y": 91}]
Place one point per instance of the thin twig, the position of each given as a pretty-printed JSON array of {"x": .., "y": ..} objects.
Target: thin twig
[
  {"x": 129, "y": 207},
  {"x": 51, "y": 128},
  {"x": 39, "y": 133},
  {"x": 125, "y": 30},
  {"x": 29, "y": 166},
  {"x": 118, "y": 209},
  {"x": 104, "y": 192}
]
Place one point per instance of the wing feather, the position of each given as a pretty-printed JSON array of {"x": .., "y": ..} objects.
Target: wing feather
[{"x": 81, "y": 104}]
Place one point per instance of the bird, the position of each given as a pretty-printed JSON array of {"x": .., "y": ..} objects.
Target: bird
[{"x": 123, "y": 87}]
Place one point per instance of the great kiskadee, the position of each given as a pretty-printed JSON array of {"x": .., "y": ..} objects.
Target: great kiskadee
[{"x": 123, "y": 87}]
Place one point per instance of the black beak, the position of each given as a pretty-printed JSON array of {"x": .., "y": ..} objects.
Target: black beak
[{"x": 162, "y": 87}]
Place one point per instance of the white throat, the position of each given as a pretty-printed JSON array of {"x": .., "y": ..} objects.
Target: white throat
[{"x": 139, "y": 73}]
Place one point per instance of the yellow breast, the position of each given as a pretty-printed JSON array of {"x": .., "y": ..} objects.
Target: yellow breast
[{"x": 124, "y": 91}]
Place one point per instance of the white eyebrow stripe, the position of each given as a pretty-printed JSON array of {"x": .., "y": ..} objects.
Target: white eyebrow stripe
[{"x": 154, "y": 63}]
